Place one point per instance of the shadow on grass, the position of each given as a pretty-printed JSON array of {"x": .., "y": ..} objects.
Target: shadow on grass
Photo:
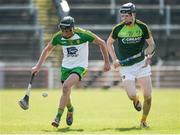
[
  {"x": 68, "y": 129},
  {"x": 128, "y": 129},
  {"x": 64, "y": 130},
  {"x": 122, "y": 129}
]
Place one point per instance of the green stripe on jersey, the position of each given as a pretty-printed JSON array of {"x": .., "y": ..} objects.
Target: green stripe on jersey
[
  {"x": 134, "y": 31},
  {"x": 80, "y": 36}
]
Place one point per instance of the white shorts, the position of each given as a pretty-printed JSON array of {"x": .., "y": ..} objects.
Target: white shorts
[{"x": 135, "y": 71}]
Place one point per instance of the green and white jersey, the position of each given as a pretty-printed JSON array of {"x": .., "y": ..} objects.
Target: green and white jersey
[
  {"x": 131, "y": 40},
  {"x": 75, "y": 49}
]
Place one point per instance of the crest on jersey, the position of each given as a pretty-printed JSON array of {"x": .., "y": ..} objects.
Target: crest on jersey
[{"x": 72, "y": 52}]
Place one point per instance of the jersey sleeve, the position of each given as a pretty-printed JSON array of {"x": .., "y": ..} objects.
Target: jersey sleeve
[
  {"x": 146, "y": 32},
  {"x": 114, "y": 33},
  {"x": 89, "y": 35},
  {"x": 55, "y": 39},
  {"x": 86, "y": 34}
]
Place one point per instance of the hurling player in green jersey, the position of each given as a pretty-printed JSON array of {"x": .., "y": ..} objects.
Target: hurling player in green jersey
[
  {"x": 132, "y": 59},
  {"x": 74, "y": 42}
]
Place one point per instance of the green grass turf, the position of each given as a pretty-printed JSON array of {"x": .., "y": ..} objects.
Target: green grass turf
[{"x": 96, "y": 112}]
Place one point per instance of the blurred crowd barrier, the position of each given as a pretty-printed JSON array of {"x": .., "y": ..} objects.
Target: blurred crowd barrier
[{"x": 17, "y": 76}]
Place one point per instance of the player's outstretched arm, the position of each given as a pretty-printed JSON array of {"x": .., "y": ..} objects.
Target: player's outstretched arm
[
  {"x": 149, "y": 51},
  {"x": 102, "y": 44},
  {"x": 45, "y": 53},
  {"x": 111, "y": 51}
]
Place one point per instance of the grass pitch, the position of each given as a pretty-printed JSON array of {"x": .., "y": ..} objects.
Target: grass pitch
[{"x": 96, "y": 112}]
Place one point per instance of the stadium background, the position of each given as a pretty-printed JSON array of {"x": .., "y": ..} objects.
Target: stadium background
[{"x": 26, "y": 27}]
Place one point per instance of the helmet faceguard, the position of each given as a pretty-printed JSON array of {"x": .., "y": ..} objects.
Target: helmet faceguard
[
  {"x": 66, "y": 23},
  {"x": 127, "y": 8}
]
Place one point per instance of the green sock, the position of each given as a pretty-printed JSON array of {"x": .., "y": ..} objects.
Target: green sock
[
  {"x": 70, "y": 108},
  {"x": 60, "y": 112}
]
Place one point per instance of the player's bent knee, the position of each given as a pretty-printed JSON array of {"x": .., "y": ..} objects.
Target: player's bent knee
[{"x": 66, "y": 88}]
